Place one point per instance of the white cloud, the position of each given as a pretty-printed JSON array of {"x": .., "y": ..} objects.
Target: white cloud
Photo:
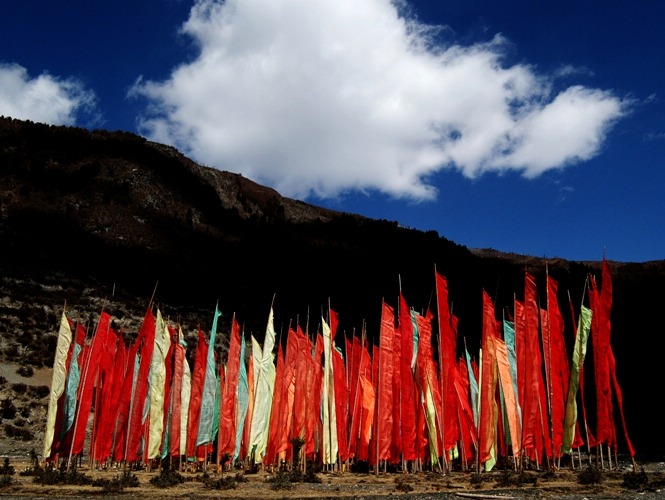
[
  {"x": 319, "y": 98},
  {"x": 45, "y": 99}
]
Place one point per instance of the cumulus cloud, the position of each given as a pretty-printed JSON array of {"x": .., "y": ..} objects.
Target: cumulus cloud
[
  {"x": 44, "y": 98},
  {"x": 322, "y": 98}
]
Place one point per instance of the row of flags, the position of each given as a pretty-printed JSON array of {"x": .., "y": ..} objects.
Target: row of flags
[{"x": 407, "y": 397}]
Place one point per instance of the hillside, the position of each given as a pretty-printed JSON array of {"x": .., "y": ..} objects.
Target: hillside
[{"x": 100, "y": 219}]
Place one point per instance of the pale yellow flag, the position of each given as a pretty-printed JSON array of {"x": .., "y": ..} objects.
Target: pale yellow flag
[{"x": 58, "y": 381}]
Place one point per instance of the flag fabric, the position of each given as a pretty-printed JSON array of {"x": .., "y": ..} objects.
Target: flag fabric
[
  {"x": 72, "y": 387},
  {"x": 196, "y": 395},
  {"x": 341, "y": 404},
  {"x": 243, "y": 399},
  {"x": 396, "y": 401},
  {"x": 534, "y": 408},
  {"x": 329, "y": 413},
  {"x": 210, "y": 385},
  {"x": 579, "y": 353},
  {"x": 58, "y": 380},
  {"x": 447, "y": 356},
  {"x": 606, "y": 308},
  {"x": 509, "y": 396},
  {"x": 557, "y": 365},
  {"x": 127, "y": 395},
  {"x": 177, "y": 385},
  {"x": 488, "y": 384},
  {"x": 140, "y": 403},
  {"x": 185, "y": 398},
  {"x": 301, "y": 394},
  {"x": 407, "y": 381},
  {"x": 289, "y": 395},
  {"x": 264, "y": 383},
  {"x": 276, "y": 409},
  {"x": 384, "y": 411},
  {"x": 157, "y": 387},
  {"x": 109, "y": 402},
  {"x": 227, "y": 426},
  {"x": 89, "y": 381},
  {"x": 601, "y": 303}
]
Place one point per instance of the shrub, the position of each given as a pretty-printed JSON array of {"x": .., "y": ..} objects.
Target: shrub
[
  {"x": 635, "y": 480},
  {"x": 6, "y": 469},
  {"x": 512, "y": 478},
  {"x": 167, "y": 477},
  {"x": 25, "y": 371},
  {"x": 6, "y": 480},
  {"x": 225, "y": 482},
  {"x": 18, "y": 433},
  {"x": 591, "y": 475},
  {"x": 7, "y": 409},
  {"x": 52, "y": 476},
  {"x": 281, "y": 481},
  {"x": 118, "y": 483},
  {"x": 19, "y": 388},
  {"x": 40, "y": 391},
  {"x": 402, "y": 485},
  {"x": 477, "y": 479}
]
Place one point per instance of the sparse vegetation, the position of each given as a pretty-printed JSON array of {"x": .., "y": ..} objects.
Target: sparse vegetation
[
  {"x": 635, "y": 480},
  {"x": 19, "y": 388},
  {"x": 39, "y": 391},
  {"x": 227, "y": 482},
  {"x": 25, "y": 371},
  {"x": 167, "y": 477},
  {"x": 18, "y": 433},
  {"x": 118, "y": 483},
  {"x": 59, "y": 476},
  {"x": 7, "y": 409},
  {"x": 402, "y": 485},
  {"x": 6, "y": 469},
  {"x": 591, "y": 475}
]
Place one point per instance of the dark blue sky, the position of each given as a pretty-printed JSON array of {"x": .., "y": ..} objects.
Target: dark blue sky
[{"x": 531, "y": 127}]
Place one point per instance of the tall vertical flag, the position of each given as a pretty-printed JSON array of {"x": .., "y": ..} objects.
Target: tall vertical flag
[
  {"x": 158, "y": 386},
  {"x": 579, "y": 353},
  {"x": 227, "y": 425},
  {"x": 72, "y": 386},
  {"x": 605, "y": 363},
  {"x": 185, "y": 398},
  {"x": 58, "y": 380},
  {"x": 264, "y": 383},
  {"x": 90, "y": 373},
  {"x": 328, "y": 411},
  {"x": 557, "y": 365},
  {"x": 204, "y": 435},
  {"x": 177, "y": 385},
  {"x": 243, "y": 399},
  {"x": 384, "y": 411},
  {"x": 196, "y": 394},
  {"x": 600, "y": 340},
  {"x": 139, "y": 404},
  {"x": 534, "y": 426},
  {"x": 447, "y": 364},
  {"x": 408, "y": 387},
  {"x": 488, "y": 384}
]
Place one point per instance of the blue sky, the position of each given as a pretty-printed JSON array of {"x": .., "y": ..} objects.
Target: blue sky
[{"x": 529, "y": 127}]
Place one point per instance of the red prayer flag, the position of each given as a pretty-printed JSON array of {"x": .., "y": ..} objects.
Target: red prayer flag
[{"x": 385, "y": 383}]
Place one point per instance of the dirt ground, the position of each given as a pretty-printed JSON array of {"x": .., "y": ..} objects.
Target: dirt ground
[{"x": 647, "y": 483}]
